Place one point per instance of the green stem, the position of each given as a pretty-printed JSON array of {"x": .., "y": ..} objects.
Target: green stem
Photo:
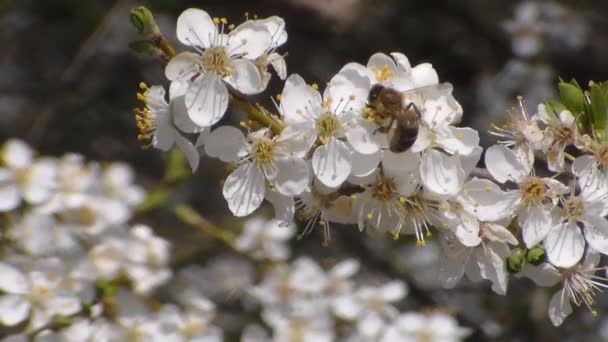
[
  {"x": 255, "y": 113},
  {"x": 165, "y": 46},
  {"x": 188, "y": 215}
]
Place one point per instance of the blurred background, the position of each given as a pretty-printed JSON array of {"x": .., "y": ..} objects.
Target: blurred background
[{"x": 68, "y": 82}]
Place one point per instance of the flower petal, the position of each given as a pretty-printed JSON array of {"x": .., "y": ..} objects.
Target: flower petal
[
  {"x": 424, "y": 74},
  {"x": 180, "y": 117},
  {"x": 16, "y": 154},
  {"x": 195, "y": 28},
  {"x": 244, "y": 189},
  {"x": 226, "y": 143},
  {"x": 13, "y": 309},
  {"x": 182, "y": 67},
  {"x": 332, "y": 163},
  {"x": 485, "y": 200},
  {"x": 293, "y": 176},
  {"x": 251, "y": 39},
  {"x": 245, "y": 77},
  {"x": 440, "y": 173},
  {"x": 559, "y": 307},
  {"x": 596, "y": 233},
  {"x": 565, "y": 245},
  {"x": 299, "y": 101},
  {"x": 457, "y": 140},
  {"x": 278, "y": 64},
  {"x": 207, "y": 99},
  {"x": 364, "y": 164},
  {"x": 9, "y": 193},
  {"x": 504, "y": 165},
  {"x": 360, "y": 135},
  {"x": 536, "y": 222},
  {"x": 13, "y": 281},
  {"x": 189, "y": 151}
]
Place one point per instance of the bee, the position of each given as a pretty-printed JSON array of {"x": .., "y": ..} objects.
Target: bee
[{"x": 397, "y": 113}]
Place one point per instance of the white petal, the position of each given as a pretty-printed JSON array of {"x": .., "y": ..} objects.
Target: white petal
[
  {"x": 9, "y": 195},
  {"x": 245, "y": 77},
  {"x": 64, "y": 305},
  {"x": 545, "y": 274},
  {"x": 359, "y": 134},
  {"x": 226, "y": 143},
  {"x": 370, "y": 325},
  {"x": 244, "y": 189},
  {"x": 348, "y": 89},
  {"x": 491, "y": 265},
  {"x": 424, "y": 139},
  {"x": 393, "y": 291},
  {"x": 504, "y": 165},
  {"x": 423, "y": 74},
  {"x": 180, "y": 117},
  {"x": 402, "y": 61},
  {"x": 195, "y": 28},
  {"x": 299, "y": 101},
  {"x": 17, "y": 154},
  {"x": 332, "y": 163},
  {"x": 596, "y": 234},
  {"x": 284, "y": 206},
  {"x": 13, "y": 309},
  {"x": 453, "y": 264},
  {"x": 457, "y": 140},
  {"x": 251, "y": 39},
  {"x": 440, "y": 173},
  {"x": 182, "y": 67},
  {"x": 485, "y": 200},
  {"x": 347, "y": 307},
  {"x": 293, "y": 176},
  {"x": 379, "y": 61},
  {"x": 536, "y": 222},
  {"x": 189, "y": 151},
  {"x": 13, "y": 281},
  {"x": 207, "y": 99},
  {"x": 345, "y": 269},
  {"x": 565, "y": 245},
  {"x": 467, "y": 230},
  {"x": 470, "y": 161},
  {"x": 278, "y": 63},
  {"x": 496, "y": 232},
  {"x": 559, "y": 307},
  {"x": 365, "y": 164}
]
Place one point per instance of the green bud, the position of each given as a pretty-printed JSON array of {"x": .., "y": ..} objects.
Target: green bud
[
  {"x": 516, "y": 259},
  {"x": 536, "y": 255},
  {"x": 61, "y": 321},
  {"x": 145, "y": 47},
  {"x": 106, "y": 288},
  {"x": 144, "y": 22}
]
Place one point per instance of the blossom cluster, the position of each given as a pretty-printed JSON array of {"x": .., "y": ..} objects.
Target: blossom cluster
[
  {"x": 74, "y": 268},
  {"x": 331, "y": 157}
]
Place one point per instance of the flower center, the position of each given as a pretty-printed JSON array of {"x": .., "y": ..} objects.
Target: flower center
[
  {"x": 216, "y": 59},
  {"x": 601, "y": 155},
  {"x": 561, "y": 133},
  {"x": 533, "y": 190},
  {"x": 384, "y": 190},
  {"x": 263, "y": 150},
  {"x": 573, "y": 208},
  {"x": 327, "y": 126}
]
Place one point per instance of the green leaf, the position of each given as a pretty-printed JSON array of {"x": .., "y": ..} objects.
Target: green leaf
[
  {"x": 572, "y": 97},
  {"x": 598, "y": 109},
  {"x": 555, "y": 106},
  {"x": 155, "y": 199}
]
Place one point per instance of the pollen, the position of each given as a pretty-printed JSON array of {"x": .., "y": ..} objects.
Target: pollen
[
  {"x": 384, "y": 189},
  {"x": 216, "y": 59},
  {"x": 315, "y": 86},
  {"x": 263, "y": 150},
  {"x": 327, "y": 125},
  {"x": 382, "y": 74},
  {"x": 533, "y": 190}
]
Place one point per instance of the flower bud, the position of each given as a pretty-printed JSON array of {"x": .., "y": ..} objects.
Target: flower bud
[
  {"x": 516, "y": 260},
  {"x": 536, "y": 255},
  {"x": 144, "y": 22}
]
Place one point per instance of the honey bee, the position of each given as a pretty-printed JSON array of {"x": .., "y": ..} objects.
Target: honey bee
[{"x": 398, "y": 114}]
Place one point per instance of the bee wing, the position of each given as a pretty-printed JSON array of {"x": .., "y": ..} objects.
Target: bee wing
[{"x": 418, "y": 95}]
